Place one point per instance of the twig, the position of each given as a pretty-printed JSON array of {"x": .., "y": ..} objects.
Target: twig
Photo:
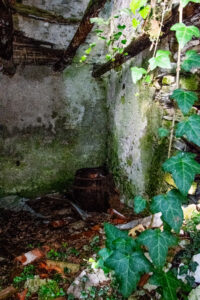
[{"x": 161, "y": 25}]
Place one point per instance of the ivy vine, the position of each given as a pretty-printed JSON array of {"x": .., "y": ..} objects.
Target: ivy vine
[{"x": 124, "y": 255}]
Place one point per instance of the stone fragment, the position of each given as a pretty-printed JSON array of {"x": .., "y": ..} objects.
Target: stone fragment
[{"x": 96, "y": 278}]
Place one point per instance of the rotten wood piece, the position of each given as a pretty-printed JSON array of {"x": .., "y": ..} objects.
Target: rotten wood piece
[
  {"x": 8, "y": 292},
  {"x": 6, "y": 38},
  {"x": 143, "y": 42},
  {"x": 28, "y": 51},
  {"x": 81, "y": 34},
  {"x": 43, "y": 15}
]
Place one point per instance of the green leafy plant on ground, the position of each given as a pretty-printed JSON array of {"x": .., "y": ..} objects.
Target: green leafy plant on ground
[{"x": 131, "y": 258}]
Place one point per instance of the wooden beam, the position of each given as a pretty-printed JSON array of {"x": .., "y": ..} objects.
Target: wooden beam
[
  {"x": 43, "y": 15},
  {"x": 143, "y": 42},
  {"x": 81, "y": 34},
  {"x": 6, "y": 38},
  {"x": 28, "y": 51}
]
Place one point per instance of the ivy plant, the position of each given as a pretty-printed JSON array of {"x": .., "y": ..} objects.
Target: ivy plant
[{"x": 127, "y": 256}]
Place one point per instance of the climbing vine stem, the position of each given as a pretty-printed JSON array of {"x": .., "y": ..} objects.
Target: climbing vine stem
[{"x": 177, "y": 83}]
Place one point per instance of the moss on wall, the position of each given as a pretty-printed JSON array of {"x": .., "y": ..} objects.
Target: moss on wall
[{"x": 50, "y": 129}]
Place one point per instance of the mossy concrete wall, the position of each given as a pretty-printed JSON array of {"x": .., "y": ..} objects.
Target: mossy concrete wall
[
  {"x": 51, "y": 125},
  {"x": 135, "y": 152}
]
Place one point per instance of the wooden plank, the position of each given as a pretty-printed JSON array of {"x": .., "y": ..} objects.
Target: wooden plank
[
  {"x": 28, "y": 51},
  {"x": 81, "y": 34},
  {"x": 6, "y": 38},
  {"x": 36, "y": 13}
]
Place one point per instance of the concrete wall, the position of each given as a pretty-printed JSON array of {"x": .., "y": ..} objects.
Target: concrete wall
[{"x": 52, "y": 124}]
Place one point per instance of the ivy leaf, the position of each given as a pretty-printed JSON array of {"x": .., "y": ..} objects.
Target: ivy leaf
[
  {"x": 190, "y": 128},
  {"x": 137, "y": 4},
  {"x": 185, "y": 99},
  {"x": 83, "y": 58},
  {"x": 161, "y": 60},
  {"x": 168, "y": 282},
  {"x": 117, "y": 35},
  {"x": 137, "y": 73},
  {"x": 128, "y": 269},
  {"x": 125, "y": 246},
  {"x": 163, "y": 132},
  {"x": 183, "y": 168},
  {"x": 123, "y": 42},
  {"x": 135, "y": 23},
  {"x": 185, "y": 33},
  {"x": 139, "y": 204},
  {"x": 145, "y": 11},
  {"x": 192, "y": 61},
  {"x": 103, "y": 255},
  {"x": 121, "y": 27},
  {"x": 157, "y": 243},
  {"x": 185, "y": 2},
  {"x": 113, "y": 233},
  {"x": 170, "y": 206}
]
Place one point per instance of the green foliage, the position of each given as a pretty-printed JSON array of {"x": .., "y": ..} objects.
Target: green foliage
[
  {"x": 128, "y": 269},
  {"x": 168, "y": 282},
  {"x": 183, "y": 168},
  {"x": 137, "y": 73},
  {"x": 139, "y": 204},
  {"x": 99, "y": 21},
  {"x": 190, "y": 128},
  {"x": 144, "y": 12},
  {"x": 170, "y": 206},
  {"x": 136, "y": 5},
  {"x": 135, "y": 23},
  {"x": 157, "y": 243},
  {"x": 192, "y": 61},
  {"x": 113, "y": 233},
  {"x": 185, "y": 2},
  {"x": 184, "y": 99},
  {"x": 161, "y": 60},
  {"x": 50, "y": 290},
  {"x": 83, "y": 58},
  {"x": 163, "y": 132},
  {"x": 184, "y": 33},
  {"x": 28, "y": 273}
]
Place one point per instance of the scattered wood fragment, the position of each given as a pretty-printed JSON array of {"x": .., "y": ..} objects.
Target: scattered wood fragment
[
  {"x": 8, "y": 292},
  {"x": 81, "y": 34}
]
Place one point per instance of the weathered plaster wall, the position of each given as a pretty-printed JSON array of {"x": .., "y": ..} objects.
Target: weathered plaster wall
[
  {"x": 51, "y": 125},
  {"x": 135, "y": 154}
]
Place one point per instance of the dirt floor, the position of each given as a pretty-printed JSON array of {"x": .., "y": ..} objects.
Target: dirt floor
[{"x": 59, "y": 231}]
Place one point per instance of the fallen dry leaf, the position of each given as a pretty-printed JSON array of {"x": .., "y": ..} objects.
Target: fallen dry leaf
[
  {"x": 22, "y": 295},
  {"x": 138, "y": 228}
]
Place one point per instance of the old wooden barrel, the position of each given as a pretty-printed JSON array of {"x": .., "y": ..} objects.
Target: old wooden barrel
[{"x": 91, "y": 189}]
